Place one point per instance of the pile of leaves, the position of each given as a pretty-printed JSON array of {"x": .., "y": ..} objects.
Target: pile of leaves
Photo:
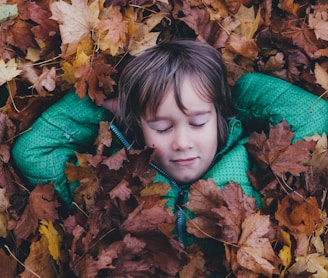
[{"x": 118, "y": 225}]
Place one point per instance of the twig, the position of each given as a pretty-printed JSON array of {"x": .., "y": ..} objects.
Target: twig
[{"x": 28, "y": 269}]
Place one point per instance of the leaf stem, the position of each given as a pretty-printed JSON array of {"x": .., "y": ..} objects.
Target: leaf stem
[
  {"x": 16, "y": 259},
  {"x": 203, "y": 232}
]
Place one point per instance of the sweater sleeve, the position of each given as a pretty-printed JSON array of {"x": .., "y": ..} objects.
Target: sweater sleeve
[
  {"x": 68, "y": 126},
  {"x": 261, "y": 99}
]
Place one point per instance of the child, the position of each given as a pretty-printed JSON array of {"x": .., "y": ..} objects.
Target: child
[{"x": 174, "y": 97}]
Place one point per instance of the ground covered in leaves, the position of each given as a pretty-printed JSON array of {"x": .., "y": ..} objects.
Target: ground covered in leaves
[{"x": 118, "y": 225}]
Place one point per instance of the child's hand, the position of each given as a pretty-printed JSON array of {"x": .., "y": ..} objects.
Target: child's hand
[{"x": 111, "y": 104}]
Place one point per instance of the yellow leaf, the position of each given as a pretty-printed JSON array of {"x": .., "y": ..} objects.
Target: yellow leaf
[
  {"x": 286, "y": 258},
  {"x": 130, "y": 16},
  {"x": 3, "y": 225},
  {"x": 249, "y": 23},
  {"x": 321, "y": 76},
  {"x": 69, "y": 71},
  {"x": 313, "y": 263},
  {"x": 4, "y": 201},
  {"x": 54, "y": 239},
  {"x": 144, "y": 38},
  {"x": 8, "y": 71},
  {"x": 319, "y": 158}
]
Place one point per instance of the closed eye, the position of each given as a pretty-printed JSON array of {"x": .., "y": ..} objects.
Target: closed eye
[
  {"x": 198, "y": 125},
  {"x": 163, "y": 130}
]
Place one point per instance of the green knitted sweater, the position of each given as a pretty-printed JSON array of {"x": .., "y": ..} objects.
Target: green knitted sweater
[{"x": 71, "y": 125}]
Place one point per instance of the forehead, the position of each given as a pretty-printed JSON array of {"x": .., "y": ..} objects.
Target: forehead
[{"x": 192, "y": 100}]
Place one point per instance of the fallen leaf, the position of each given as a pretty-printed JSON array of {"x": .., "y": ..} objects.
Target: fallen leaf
[
  {"x": 8, "y": 71},
  {"x": 39, "y": 261},
  {"x": 315, "y": 264},
  {"x": 255, "y": 252},
  {"x": 54, "y": 238},
  {"x": 76, "y": 21},
  {"x": 298, "y": 214},
  {"x": 318, "y": 21}
]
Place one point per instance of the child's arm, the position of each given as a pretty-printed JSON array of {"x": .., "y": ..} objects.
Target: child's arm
[
  {"x": 69, "y": 126},
  {"x": 261, "y": 99}
]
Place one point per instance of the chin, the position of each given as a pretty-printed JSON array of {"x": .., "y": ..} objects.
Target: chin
[{"x": 186, "y": 180}]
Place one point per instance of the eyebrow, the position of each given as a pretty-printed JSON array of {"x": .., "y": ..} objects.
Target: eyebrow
[{"x": 193, "y": 114}]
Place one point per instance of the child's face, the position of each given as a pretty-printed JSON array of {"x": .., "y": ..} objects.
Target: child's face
[{"x": 185, "y": 143}]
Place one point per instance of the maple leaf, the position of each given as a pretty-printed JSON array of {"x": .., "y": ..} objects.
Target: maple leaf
[
  {"x": 237, "y": 207},
  {"x": 20, "y": 35},
  {"x": 255, "y": 251},
  {"x": 94, "y": 79},
  {"x": 225, "y": 208},
  {"x": 88, "y": 188},
  {"x": 319, "y": 158},
  {"x": 76, "y": 22},
  {"x": 298, "y": 214},
  {"x": 277, "y": 151},
  {"x": 47, "y": 30},
  {"x": 112, "y": 31},
  {"x": 39, "y": 260},
  {"x": 318, "y": 21},
  {"x": 243, "y": 46},
  {"x": 249, "y": 22},
  {"x": 143, "y": 37},
  {"x": 8, "y": 71},
  {"x": 42, "y": 205},
  {"x": 315, "y": 264},
  {"x": 141, "y": 220},
  {"x": 321, "y": 76},
  {"x": 196, "y": 266},
  {"x": 204, "y": 196}
]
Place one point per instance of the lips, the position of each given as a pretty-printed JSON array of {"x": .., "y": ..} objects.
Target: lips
[{"x": 184, "y": 161}]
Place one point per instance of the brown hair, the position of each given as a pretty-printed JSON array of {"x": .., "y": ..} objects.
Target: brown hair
[{"x": 148, "y": 77}]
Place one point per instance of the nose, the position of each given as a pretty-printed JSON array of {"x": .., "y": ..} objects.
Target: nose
[{"x": 182, "y": 140}]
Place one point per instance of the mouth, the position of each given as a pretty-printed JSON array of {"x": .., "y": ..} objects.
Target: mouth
[{"x": 184, "y": 161}]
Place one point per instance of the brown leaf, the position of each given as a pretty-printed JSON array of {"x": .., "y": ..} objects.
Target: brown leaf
[
  {"x": 219, "y": 212},
  {"x": 196, "y": 266},
  {"x": 255, "y": 252},
  {"x": 236, "y": 208},
  {"x": 39, "y": 261},
  {"x": 121, "y": 191},
  {"x": 277, "y": 151},
  {"x": 141, "y": 220},
  {"x": 43, "y": 202},
  {"x": 298, "y": 214},
  {"x": 47, "y": 29},
  {"x": 115, "y": 161},
  {"x": 104, "y": 137},
  {"x": 7, "y": 265},
  {"x": 94, "y": 80}
]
